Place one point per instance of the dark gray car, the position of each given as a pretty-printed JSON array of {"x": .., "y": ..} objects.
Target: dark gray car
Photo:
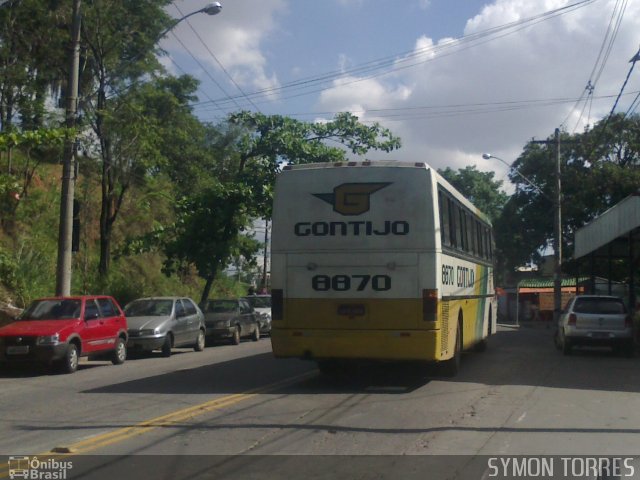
[
  {"x": 232, "y": 319},
  {"x": 164, "y": 323},
  {"x": 262, "y": 306}
]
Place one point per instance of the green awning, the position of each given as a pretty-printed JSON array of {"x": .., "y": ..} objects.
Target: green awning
[{"x": 548, "y": 282}]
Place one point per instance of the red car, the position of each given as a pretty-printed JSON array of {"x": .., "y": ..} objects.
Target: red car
[{"x": 60, "y": 330}]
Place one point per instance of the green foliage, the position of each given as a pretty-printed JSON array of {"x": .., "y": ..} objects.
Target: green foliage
[
  {"x": 9, "y": 188},
  {"x": 599, "y": 168},
  {"x": 235, "y": 186},
  {"x": 35, "y": 138},
  {"x": 8, "y": 271},
  {"x": 479, "y": 187},
  {"x": 208, "y": 229},
  {"x": 32, "y": 58}
]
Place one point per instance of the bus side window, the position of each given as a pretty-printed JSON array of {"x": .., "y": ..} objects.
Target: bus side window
[
  {"x": 473, "y": 243},
  {"x": 459, "y": 227},
  {"x": 490, "y": 244},
  {"x": 462, "y": 230},
  {"x": 453, "y": 224},
  {"x": 444, "y": 219},
  {"x": 479, "y": 239}
]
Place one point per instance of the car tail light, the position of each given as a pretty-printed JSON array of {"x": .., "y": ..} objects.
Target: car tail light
[
  {"x": 277, "y": 310},
  {"x": 429, "y": 305},
  {"x": 573, "y": 318}
]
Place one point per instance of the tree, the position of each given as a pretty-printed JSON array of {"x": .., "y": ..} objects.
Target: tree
[
  {"x": 33, "y": 41},
  {"x": 249, "y": 151},
  {"x": 479, "y": 187},
  {"x": 599, "y": 167},
  {"x": 120, "y": 39}
]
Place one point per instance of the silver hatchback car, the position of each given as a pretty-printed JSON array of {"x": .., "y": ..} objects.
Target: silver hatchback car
[
  {"x": 595, "y": 320},
  {"x": 164, "y": 323}
]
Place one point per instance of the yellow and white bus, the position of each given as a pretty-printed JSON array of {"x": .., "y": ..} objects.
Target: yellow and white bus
[{"x": 378, "y": 261}]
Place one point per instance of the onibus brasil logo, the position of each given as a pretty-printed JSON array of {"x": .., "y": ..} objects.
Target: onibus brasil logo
[{"x": 32, "y": 468}]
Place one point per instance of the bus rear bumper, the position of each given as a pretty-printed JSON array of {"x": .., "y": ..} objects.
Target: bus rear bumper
[{"x": 392, "y": 345}]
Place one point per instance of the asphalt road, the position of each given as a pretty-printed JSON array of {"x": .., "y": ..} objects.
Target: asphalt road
[{"x": 235, "y": 412}]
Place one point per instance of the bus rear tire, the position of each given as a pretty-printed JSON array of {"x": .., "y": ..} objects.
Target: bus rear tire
[{"x": 481, "y": 346}]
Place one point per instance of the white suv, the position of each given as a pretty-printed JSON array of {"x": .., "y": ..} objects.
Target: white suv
[{"x": 595, "y": 320}]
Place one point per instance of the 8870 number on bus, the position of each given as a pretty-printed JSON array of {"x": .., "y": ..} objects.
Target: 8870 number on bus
[{"x": 344, "y": 283}]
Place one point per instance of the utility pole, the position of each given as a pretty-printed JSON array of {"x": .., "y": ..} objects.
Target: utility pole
[
  {"x": 264, "y": 261},
  {"x": 557, "y": 228},
  {"x": 65, "y": 234},
  {"x": 557, "y": 237}
]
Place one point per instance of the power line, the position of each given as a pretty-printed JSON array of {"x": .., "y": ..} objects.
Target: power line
[
  {"x": 439, "y": 111},
  {"x": 408, "y": 59},
  {"x": 218, "y": 61},
  {"x": 601, "y": 60},
  {"x": 633, "y": 64},
  {"x": 204, "y": 69}
]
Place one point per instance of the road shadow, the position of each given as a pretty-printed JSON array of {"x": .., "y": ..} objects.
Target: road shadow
[
  {"x": 528, "y": 356},
  {"x": 258, "y": 371},
  {"x": 515, "y": 356}
]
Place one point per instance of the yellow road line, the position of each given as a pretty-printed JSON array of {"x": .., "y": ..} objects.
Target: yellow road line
[{"x": 121, "y": 434}]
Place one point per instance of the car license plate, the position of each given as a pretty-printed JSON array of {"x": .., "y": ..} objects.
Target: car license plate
[
  {"x": 600, "y": 335},
  {"x": 352, "y": 311},
  {"x": 18, "y": 350}
]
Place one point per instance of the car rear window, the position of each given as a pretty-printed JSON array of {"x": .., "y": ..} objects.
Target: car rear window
[
  {"x": 222, "y": 306},
  {"x": 259, "y": 302},
  {"x": 149, "y": 308},
  {"x": 599, "y": 305}
]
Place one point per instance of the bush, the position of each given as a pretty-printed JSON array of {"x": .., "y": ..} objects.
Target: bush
[{"x": 8, "y": 270}]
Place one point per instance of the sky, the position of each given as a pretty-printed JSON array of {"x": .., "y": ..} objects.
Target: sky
[{"x": 452, "y": 78}]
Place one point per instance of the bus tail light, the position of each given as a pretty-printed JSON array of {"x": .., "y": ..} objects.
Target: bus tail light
[
  {"x": 430, "y": 305},
  {"x": 277, "y": 307},
  {"x": 573, "y": 318}
]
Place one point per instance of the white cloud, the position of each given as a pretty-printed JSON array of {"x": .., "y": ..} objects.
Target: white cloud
[
  {"x": 549, "y": 60},
  {"x": 234, "y": 37}
]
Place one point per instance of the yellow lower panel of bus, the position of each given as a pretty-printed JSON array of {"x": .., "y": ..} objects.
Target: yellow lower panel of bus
[
  {"x": 355, "y": 313},
  {"x": 360, "y": 344}
]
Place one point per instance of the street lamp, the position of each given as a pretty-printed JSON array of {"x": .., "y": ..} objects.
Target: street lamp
[
  {"x": 488, "y": 156},
  {"x": 65, "y": 232},
  {"x": 557, "y": 224},
  {"x": 213, "y": 8}
]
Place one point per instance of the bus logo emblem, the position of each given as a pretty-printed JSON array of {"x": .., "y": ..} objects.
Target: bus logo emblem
[{"x": 351, "y": 198}]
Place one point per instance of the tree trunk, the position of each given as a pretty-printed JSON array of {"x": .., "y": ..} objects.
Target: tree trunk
[
  {"x": 207, "y": 289},
  {"x": 105, "y": 230}
]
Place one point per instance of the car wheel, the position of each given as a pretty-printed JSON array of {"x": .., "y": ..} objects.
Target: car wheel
[
  {"x": 256, "y": 333},
  {"x": 567, "y": 348},
  {"x": 167, "y": 345},
  {"x": 235, "y": 339},
  {"x": 627, "y": 349},
  {"x": 200, "y": 342},
  {"x": 556, "y": 340},
  {"x": 451, "y": 367},
  {"x": 120, "y": 353},
  {"x": 70, "y": 361}
]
